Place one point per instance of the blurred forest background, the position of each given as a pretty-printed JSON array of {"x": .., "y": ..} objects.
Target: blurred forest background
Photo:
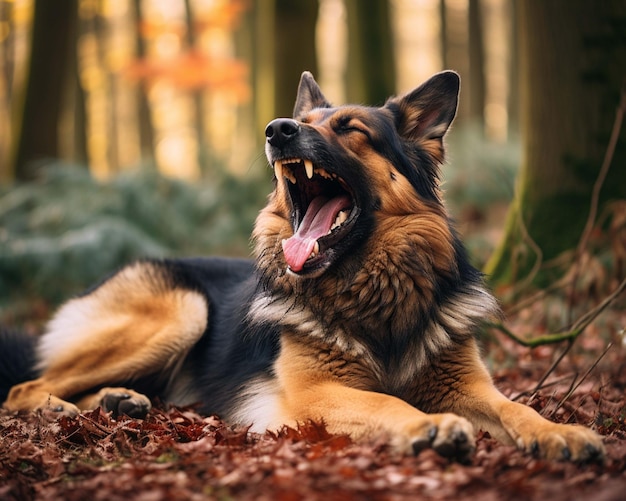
[{"x": 133, "y": 128}]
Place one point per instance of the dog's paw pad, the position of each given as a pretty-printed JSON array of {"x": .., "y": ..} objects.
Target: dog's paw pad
[
  {"x": 457, "y": 445},
  {"x": 421, "y": 443},
  {"x": 593, "y": 453},
  {"x": 132, "y": 404},
  {"x": 449, "y": 435}
]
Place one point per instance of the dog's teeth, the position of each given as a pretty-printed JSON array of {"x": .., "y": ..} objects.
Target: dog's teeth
[
  {"x": 341, "y": 218},
  {"x": 308, "y": 166},
  {"x": 322, "y": 173},
  {"x": 278, "y": 169},
  {"x": 315, "y": 251}
]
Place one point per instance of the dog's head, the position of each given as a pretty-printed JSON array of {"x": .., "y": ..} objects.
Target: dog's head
[{"x": 352, "y": 176}]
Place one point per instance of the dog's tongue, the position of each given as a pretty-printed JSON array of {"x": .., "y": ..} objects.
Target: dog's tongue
[{"x": 317, "y": 221}]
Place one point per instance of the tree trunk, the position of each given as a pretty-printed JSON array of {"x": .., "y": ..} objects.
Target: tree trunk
[
  {"x": 144, "y": 117},
  {"x": 476, "y": 63},
  {"x": 197, "y": 96},
  {"x": 263, "y": 63},
  {"x": 295, "y": 49},
  {"x": 371, "y": 67},
  {"x": 456, "y": 41},
  {"x": 572, "y": 60},
  {"x": 284, "y": 47},
  {"x": 52, "y": 38}
]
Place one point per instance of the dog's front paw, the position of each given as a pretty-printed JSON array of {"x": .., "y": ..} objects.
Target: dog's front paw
[
  {"x": 121, "y": 401},
  {"x": 563, "y": 442},
  {"x": 118, "y": 401},
  {"x": 55, "y": 407},
  {"x": 34, "y": 395},
  {"x": 449, "y": 435}
]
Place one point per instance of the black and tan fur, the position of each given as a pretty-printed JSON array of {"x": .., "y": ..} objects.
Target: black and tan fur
[{"x": 373, "y": 334}]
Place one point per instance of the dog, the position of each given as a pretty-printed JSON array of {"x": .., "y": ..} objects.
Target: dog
[{"x": 360, "y": 309}]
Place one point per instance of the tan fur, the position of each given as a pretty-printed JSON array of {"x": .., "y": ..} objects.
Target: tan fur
[{"x": 133, "y": 325}]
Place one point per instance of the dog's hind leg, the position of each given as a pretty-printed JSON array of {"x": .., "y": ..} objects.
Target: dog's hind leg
[{"x": 138, "y": 323}]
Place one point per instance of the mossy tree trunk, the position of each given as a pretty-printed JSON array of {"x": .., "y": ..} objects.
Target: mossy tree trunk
[{"x": 572, "y": 61}]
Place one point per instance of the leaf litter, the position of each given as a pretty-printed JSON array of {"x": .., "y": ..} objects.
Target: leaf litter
[{"x": 176, "y": 453}]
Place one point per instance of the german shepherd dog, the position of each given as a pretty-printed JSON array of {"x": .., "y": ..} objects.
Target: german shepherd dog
[{"x": 360, "y": 309}]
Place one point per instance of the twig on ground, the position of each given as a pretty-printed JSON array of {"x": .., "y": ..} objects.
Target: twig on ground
[
  {"x": 595, "y": 194},
  {"x": 580, "y": 381}
]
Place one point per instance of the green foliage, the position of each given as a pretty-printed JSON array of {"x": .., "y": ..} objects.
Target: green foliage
[
  {"x": 479, "y": 177},
  {"x": 479, "y": 172},
  {"x": 66, "y": 231}
]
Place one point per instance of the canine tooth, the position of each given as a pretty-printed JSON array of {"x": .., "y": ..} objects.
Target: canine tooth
[
  {"x": 308, "y": 165},
  {"x": 278, "y": 169}
]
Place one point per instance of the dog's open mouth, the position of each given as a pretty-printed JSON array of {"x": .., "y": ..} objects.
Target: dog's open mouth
[{"x": 324, "y": 211}]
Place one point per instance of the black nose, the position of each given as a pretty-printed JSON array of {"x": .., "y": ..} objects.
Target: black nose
[{"x": 281, "y": 131}]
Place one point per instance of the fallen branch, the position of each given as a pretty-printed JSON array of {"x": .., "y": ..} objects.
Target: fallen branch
[{"x": 579, "y": 326}]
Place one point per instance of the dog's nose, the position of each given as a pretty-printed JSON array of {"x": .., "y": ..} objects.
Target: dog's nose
[{"x": 280, "y": 131}]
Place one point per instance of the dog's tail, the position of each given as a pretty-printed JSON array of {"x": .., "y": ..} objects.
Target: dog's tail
[{"x": 17, "y": 359}]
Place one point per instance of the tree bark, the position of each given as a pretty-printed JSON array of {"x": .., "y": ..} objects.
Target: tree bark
[
  {"x": 52, "y": 40},
  {"x": 572, "y": 60},
  {"x": 476, "y": 63},
  {"x": 144, "y": 117},
  {"x": 295, "y": 49},
  {"x": 371, "y": 66}
]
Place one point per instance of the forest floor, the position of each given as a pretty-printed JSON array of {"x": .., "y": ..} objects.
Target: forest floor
[{"x": 178, "y": 454}]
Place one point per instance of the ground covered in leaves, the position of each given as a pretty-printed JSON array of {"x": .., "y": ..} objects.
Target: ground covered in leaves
[{"x": 178, "y": 454}]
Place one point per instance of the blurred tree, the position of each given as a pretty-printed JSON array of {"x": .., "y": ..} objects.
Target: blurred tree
[
  {"x": 456, "y": 49},
  {"x": 146, "y": 128},
  {"x": 371, "y": 65},
  {"x": 513, "y": 104},
  {"x": 295, "y": 49},
  {"x": 572, "y": 60},
  {"x": 198, "y": 100},
  {"x": 52, "y": 52},
  {"x": 476, "y": 63},
  {"x": 284, "y": 46}
]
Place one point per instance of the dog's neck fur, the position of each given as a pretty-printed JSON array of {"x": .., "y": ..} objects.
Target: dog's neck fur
[{"x": 405, "y": 319}]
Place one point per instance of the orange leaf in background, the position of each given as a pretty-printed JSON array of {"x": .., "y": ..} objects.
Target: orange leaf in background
[
  {"x": 194, "y": 71},
  {"x": 225, "y": 17}
]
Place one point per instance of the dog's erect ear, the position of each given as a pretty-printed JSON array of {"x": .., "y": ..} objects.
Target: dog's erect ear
[
  {"x": 426, "y": 113},
  {"x": 309, "y": 96}
]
